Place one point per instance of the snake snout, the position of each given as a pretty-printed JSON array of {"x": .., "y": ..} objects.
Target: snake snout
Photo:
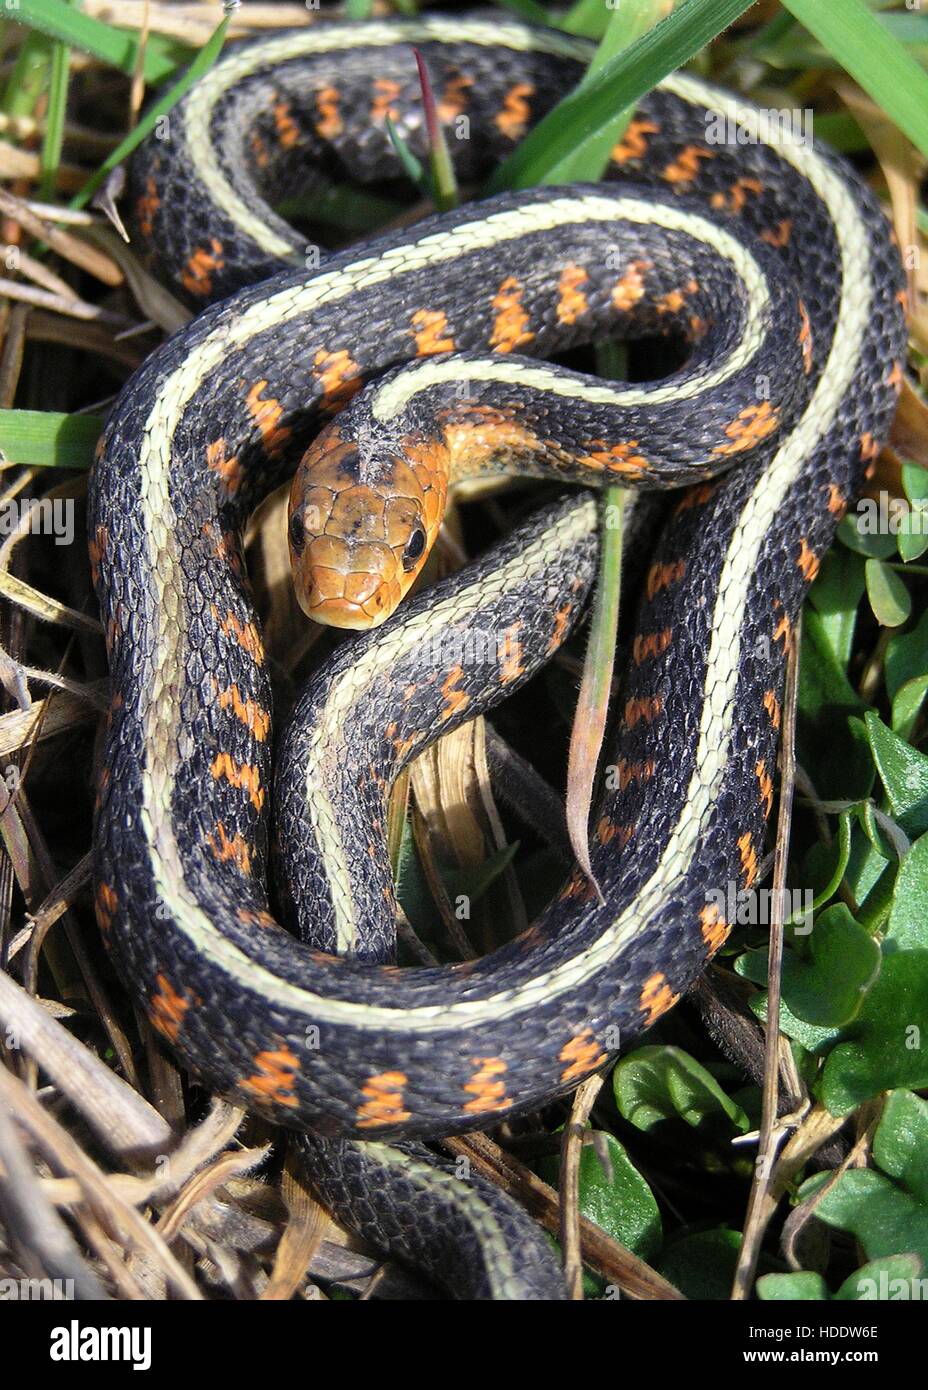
[
  {"x": 361, "y": 527},
  {"x": 346, "y": 583}
]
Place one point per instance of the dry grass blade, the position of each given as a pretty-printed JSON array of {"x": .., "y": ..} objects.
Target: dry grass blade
[
  {"x": 589, "y": 728},
  {"x": 41, "y": 1240},
  {"x": 43, "y": 606},
  {"x": 58, "y": 714},
  {"x": 584, "y": 1099},
  {"x": 307, "y": 1226},
  {"x": 759, "y": 1209},
  {"x": 71, "y": 248},
  {"x": 119, "y": 1221},
  {"x": 119, "y": 1115}
]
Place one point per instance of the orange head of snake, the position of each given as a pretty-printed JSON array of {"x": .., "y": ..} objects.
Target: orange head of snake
[{"x": 360, "y": 529}]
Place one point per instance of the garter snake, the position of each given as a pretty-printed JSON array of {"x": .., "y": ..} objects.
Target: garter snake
[{"x": 772, "y": 261}]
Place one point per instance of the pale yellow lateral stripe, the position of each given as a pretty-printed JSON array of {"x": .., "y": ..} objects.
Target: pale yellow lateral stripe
[
  {"x": 481, "y": 1216},
  {"x": 342, "y": 38}
]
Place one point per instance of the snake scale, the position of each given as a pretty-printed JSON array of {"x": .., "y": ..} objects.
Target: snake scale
[{"x": 393, "y": 370}]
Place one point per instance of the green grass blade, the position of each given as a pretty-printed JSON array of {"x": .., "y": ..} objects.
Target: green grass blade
[
  {"x": 118, "y": 47},
  {"x": 28, "y": 78},
  {"x": 621, "y": 83},
  {"x": 627, "y": 24},
  {"x": 201, "y": 64},
  {"x": 55, "y": 118},
  {"x": 868, "y": 51},
  {"x": 48, "y": 439}
]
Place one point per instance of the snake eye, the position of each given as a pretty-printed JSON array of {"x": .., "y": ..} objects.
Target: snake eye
[
  {"x": 415, "y": 548},
  {"x": 297, "y": 532}
]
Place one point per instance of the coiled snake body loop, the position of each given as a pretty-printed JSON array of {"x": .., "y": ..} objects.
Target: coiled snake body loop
[{"x": 773, "y": 264}]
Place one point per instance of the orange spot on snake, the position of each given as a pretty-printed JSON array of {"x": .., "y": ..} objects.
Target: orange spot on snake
[
  {"x": 510, "y": 326},
  {"x": 513, "y": 117},
  {"x": 837, "y": 502},
  {"x": 428, "y": 325},
  {"x": 266, "y": 413},
  {"x": 736, "y": 197},
  {"x": 511, "y": 666},
  {"x": 748, "y": 859},
  {"x": 713, "y": 926},
  {"x": 228, "y": 848},
  {"x": 146, "y": 207},
  {"x": 640, "y": 772},
  {"x": 627, "y": 291},
  {"x": 607, "y": 831},
  {"x": 772, "y": 706},
  {"x": 330, "y": 123},
  {"x": 685, "y": 168},
  {"x": 766, "y": 786},
  {"x": 455, "y": 700},
  {"x": 582, "y": 1054},
  {"x": 105, "y": 904},
  {"x": 571, "y": 301},
  {"x": 455, "y": 97},
  {"x": 382, "y": 106},
  {"x": 648, "y": 644},
  {"x": 228, "y": 469},
  {"x": 288, "y": 132},
  {"x": 805, "y": 338},
  {"x": 656, "y": 998},
  {"x": 275, "y": 1073},
  {"x": 620, "y": 458},
  {"x": 384, "y": 1101},
  {"x": 646, "y": 710},
  {"x": 245, "y": 634},
  {"x": 240, "y": 775},
  {"x": 255, "y": 719},
  {"x": 97, "y": 549},
  {"x": 489, "y": 1093},
  {"x": 869, "y": 448},
  {"x": 197, "y": 277},
  {"x": 167, "y": 1009},
  {"x": 808, "y": 561},
  {"x": 339, "y": 376},
  {"x": 561, "y": 624},
  {"x": 633, "y": 144},
  {"x": 695, "y": 497},
  {"x": 780, "y": 234},
  {"x": 661, "y": 576},
  {"x": 749, "y": 427}
]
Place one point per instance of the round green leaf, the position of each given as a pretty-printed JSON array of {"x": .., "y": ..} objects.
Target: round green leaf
[
  {"x": 907, "y": 656},
  {"x": 890, "y": 1044},
  {"x": 886, "y": 1220},
  {"x": 907, "y": 929},
  {"x": 653, "y": 1084},
  {"x": 904, "y": 774},
  {"x": 915, "y": 484},
  {"x": 900, "y": 1144},
  {"x": 861, "y": 531},
  {"x": 890, "y": 1278},
  {"x": 889, "y": 597},
  {"x": 828, "y": 989},
  {"x": 912, "y": 537},
  {"x": 613, "y": 1194},
  {"x": 907, "y": 704},
  {"x": 802, "y": 1285}
]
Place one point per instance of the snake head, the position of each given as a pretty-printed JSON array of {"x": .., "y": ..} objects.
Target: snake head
[{"x": 361, "y": 527}]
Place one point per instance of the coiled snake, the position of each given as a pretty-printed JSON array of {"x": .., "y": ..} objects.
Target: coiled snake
[{"x": 774, "y": 264}]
